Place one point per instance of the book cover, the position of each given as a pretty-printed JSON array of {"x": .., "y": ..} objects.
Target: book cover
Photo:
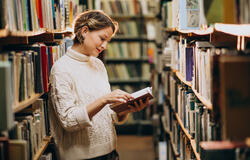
[
  {"x": 6, "y": 119},
  {"x": 141, "y": 94}
]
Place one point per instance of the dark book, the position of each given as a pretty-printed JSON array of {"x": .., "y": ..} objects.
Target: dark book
[
  {"x": 217, "y": 150},
  {"x": 189, "y": 63},
  {"x": 4, "y": 146},
  {"x": 139, "y": 95},
  {"x": 234, "y": 97}
]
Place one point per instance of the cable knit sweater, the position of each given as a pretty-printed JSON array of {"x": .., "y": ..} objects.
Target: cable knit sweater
[{"x": 76, "y": 81}]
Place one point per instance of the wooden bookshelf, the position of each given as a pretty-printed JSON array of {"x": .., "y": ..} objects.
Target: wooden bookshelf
[
  {"x": 193, "y": 145},
  {"x": 207, "y": 103},
  {"x": 28, "y": 37},
  {"x": 3, "y": 33},
  {"x": 20, "y": 106},
  {"x": 173, "y": 146},
  {"x": 233, "y": 29},
  {"x": 182, "y": 126},
  {"x": 182, "y": 79},
  {"x": 44, "y": 145},
  {"x": 192, "y": 141}
]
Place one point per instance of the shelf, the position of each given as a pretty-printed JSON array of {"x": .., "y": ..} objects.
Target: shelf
[
  {"x": 193, "y": 145},
  {"x": 3, "y": 33},
  {"x": 181, "y": 78},
  {"x": 192, "y": 141},
  {"x": 27, "y": 37},
  {"x": 204, "y": 101},
  {"x": 207, "y": 103},
  {"x": 20, "y": 106},
  {"x": 231, "y": 29},
  {"x": 234, "y": 29},
  {"x": 44, "y": 145},
  {"x": 182, "y": 127}
]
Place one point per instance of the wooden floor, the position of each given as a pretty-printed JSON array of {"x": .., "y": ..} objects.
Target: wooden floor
[{"x": 132, "y": 147}]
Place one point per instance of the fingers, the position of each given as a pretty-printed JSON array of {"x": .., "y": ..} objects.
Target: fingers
[{"x": 126, "y": 96}]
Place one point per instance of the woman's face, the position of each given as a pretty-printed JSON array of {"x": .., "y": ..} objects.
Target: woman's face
[{"x": 96, "y": 41}]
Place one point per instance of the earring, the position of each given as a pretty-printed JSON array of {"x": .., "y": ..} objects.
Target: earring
[{"x": 80, "y": 37}]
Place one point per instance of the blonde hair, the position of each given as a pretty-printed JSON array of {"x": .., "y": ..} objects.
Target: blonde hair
[{"x": 94, "y": 20}]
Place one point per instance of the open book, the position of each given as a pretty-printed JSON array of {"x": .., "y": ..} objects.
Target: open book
[{"x": 142, "y": 94}]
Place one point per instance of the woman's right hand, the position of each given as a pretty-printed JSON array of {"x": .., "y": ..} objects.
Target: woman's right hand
[{"x": 117, "y": 96}]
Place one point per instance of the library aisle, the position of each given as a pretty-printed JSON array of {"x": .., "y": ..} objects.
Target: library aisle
[{"x": 132, "y": 147}]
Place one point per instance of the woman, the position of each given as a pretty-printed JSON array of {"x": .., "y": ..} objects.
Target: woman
[{"x": 81, "y": 121}]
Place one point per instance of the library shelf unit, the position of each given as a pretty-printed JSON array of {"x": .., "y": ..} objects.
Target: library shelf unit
[
  {"x": 198, "y": 95},
  {"x": 43, "y": 147},
  {"x": 192, "y": 141},
  {"x": 22, "y": 105},
  {"x": 17, "y": 37},
  {"x": 170, "y": 137},
  {"x": 185, "y": 131},
  {"x": 234, "y": 36},
  {"x": 10, "y": 38}
]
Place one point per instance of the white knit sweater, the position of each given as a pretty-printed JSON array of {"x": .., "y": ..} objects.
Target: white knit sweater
[{"x": 76, "y": 81}]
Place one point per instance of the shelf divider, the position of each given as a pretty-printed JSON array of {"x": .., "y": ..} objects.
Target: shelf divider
[
  {"x": 44, "y": 145},
  {"x": 20, "y": 106}
]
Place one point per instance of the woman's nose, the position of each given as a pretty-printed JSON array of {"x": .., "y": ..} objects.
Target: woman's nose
[{"x": 104, "y": 45}]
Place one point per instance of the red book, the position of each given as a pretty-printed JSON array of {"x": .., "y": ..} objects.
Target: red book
[
  {"x": 51, "y": 55},
  {"x": 40, "y": 13},
  {"x": 44, "y": 57}
]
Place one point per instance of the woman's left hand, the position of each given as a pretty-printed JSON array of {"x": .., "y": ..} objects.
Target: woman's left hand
[{"x": 138, "y": 107}]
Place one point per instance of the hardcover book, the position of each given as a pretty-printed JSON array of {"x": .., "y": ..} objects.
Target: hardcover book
[{"x": 142, "y": 94}]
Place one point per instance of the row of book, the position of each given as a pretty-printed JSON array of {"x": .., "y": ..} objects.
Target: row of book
[
  {"x": 131, "y": 50},
  {"x": 32, "y": 15},
  {"x": 129, "y": 28},
  {"x": 182, "y": 104},
  {"x": 127, "y": 71},
  {"x": 194, "y": 62},
  {"x": 183, "y": 14},
  {"x": 129, "y": 7},
  {"x": 137, "y": 29},
  {"x": 25, "y": 138},
  {"x": 124, "y": 50},
  {"x": 209, "y": 150},
  {"x": 192, "y": 14},
  {"x": 30, "y": 68}
]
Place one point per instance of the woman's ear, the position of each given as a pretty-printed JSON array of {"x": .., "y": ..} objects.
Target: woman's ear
[{"x": 84, "y": 30}]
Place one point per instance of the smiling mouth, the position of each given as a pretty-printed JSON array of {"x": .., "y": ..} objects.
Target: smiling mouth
[{"x": 98, "y": 50}]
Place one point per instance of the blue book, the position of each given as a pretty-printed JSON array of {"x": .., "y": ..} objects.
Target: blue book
[{"x": 189, "y": 63}]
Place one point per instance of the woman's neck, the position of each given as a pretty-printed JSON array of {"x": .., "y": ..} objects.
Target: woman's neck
[{"x": 79, "y": 48}]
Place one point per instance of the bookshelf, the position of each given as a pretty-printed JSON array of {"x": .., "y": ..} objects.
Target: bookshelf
[
  {"x": 44, "y": 145},
  {"x": 193, "y": 87},
  {"x": 200, "y": 97},
  {"x": 31, "y": 40},
  {"x": 26, "y": 103},
  {"x": 127, "y": 53}
]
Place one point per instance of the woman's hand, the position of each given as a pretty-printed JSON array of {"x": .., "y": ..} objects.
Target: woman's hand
[
  {"x": 117, "y": 96},
  {"x": 138, "y": 107}
]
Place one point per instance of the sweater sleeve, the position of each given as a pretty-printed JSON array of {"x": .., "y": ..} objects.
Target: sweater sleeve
[{"x": 70, "y": 113}]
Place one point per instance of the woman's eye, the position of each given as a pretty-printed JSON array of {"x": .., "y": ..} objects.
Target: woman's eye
[{"x": 103, "y": 39}]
